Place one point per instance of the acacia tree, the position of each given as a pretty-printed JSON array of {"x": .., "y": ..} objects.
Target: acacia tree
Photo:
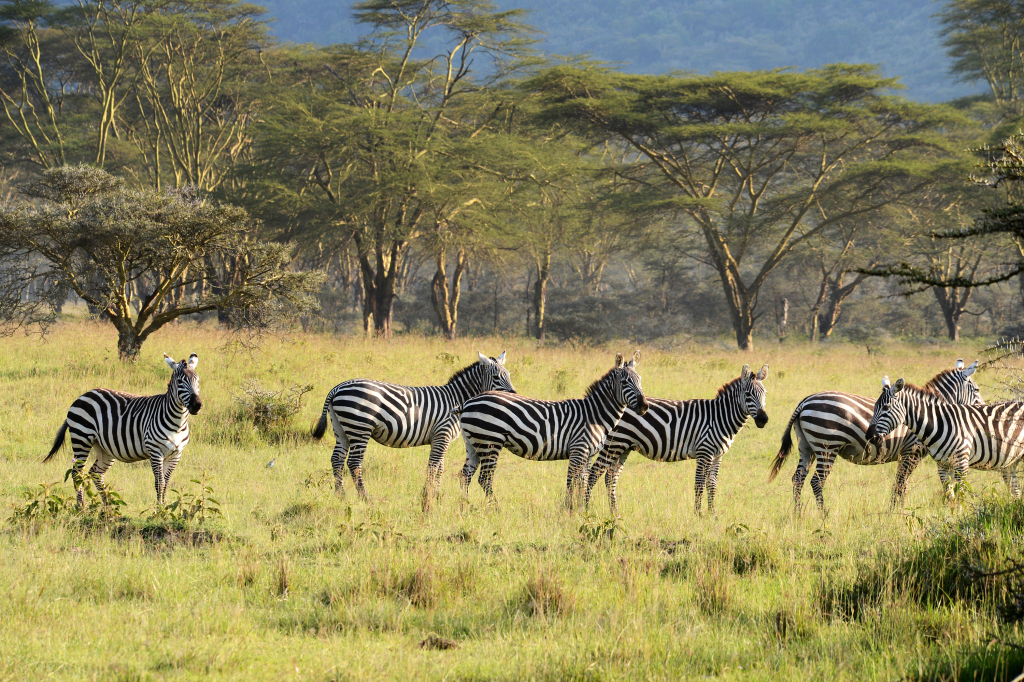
[
  {"x": 758, "y": 162},
  {"x": 985, "y": 39},
  {"x": 367, "y": 136},
  {"x": 140, "y": 256}
]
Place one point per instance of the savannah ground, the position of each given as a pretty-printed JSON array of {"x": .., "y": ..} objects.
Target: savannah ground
[{"x": 294, "y": 583}]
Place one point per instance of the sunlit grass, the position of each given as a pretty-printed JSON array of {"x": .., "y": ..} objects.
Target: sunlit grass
[{"x": 305, "y": 586}]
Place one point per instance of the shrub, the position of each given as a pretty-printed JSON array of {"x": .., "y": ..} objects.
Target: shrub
[{"x": 266, "y": 409}]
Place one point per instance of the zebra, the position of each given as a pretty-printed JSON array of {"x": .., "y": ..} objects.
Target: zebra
[
  {"x": 676, "y": 430},
  {"x": 957, "y": 436},
  {"x": 547, "y": 430},
  {"x": 403, "y": 417},
  {"x": 131, "y": 428},
  {"x": 832, "y": 423}
]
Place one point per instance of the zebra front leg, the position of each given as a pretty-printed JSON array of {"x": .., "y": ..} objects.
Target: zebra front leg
[
  {"x": 611, "y": 483},
  {"x": 907, "y": 464},
  {"x": 698, "y": 483},
  {"x": 600, "y": 465},
  {"x": 435, "y": 468},
  {"x": 156, "y": 463},
  {"x": 945, "y": 480},
  {"x": 170, "y": 464},
  {"x": 711, "y": 483},
  {"x": 574, "y": 478}
]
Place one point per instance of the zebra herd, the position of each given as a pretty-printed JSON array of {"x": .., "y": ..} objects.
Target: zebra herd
[{"x": 946, "y": 419}]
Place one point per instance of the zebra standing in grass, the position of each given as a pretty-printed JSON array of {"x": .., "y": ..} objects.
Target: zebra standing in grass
[
  {"x": 547, "y": 430},
  {"x": 131, "y": 428},
  {"x": 675, "y": 430},
  {"x": 957, "y": 436},
  {"x": 833, "y": 423},
  {"x": 403, "y": 417}
]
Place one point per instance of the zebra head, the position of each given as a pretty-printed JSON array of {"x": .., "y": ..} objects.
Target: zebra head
[
  {"x": 183, "y": 388},
  {"x": 958, "y": 386},
  {"x": 890, "y": 412},
  {"x": 627, "y": 382},
  {"x": 495, "y": 374},
  {"x": 753, "y": 394}
]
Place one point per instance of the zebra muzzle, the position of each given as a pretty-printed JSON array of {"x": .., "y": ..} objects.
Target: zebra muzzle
[{"x": 761, "y": 419}]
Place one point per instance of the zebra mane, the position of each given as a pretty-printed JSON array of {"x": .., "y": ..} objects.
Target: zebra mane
[
  {"x": 462, "y": 373},
  {"x": 927, "y": 391},
  {"x": 933, "y": 382},
  {"x": 727, "y": 387},
  {"x": 593, "y": 387}
]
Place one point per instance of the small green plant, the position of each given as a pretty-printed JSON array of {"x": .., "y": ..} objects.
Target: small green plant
[
  {"x": 47, "y": 501},
  {"x": 189, "y": 507},
  {"x": 267, "y": 409},
  {"x": 448, "y": 359},
  {"x": 43, "y": 501},
  {"x": 561, "y": 380},
  {"x": 592, "y": 530}
]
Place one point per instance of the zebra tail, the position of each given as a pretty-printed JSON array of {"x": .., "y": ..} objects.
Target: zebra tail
[
  {"x": 58, "y": 442},
  {"x": 784, "y": 448},
  {"x": 320, "y": 428}
]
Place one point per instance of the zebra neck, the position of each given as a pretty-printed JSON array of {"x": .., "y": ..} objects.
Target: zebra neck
[
  {"x": 464, "y": 388},
  {"x": 735, "y": 416},
  {"x": 175, "y": 412},
  {"x": 917, "y": 422},
  {"x": 603, "y": 406}
]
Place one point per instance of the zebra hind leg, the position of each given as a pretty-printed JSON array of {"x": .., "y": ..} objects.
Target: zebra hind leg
[
  {"x": 821, "y": 471},
  {"x": 488, "y": 463},
  {"x": 611, "y": 482},
  {"x": 712, "y": 482},
  {"x": 703, "y": 461},
  {"x": 338, "y": 457},
  {"x": 575, "y": 479},
  {"x": 435, "y": 468},
  {"x": 97, "y": 472},
  {"x": 469, "y": 468},
  {"x": 356, "y": 452},
  {"x": 807, "y": 459},
  {"x": 908, "y": 463},
  {"x": 79, "y": 454},
  {"x": 1012, "y": 483}
]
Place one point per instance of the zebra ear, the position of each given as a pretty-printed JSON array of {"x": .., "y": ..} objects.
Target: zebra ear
[
  {"x": 970, "y": 370},
  {"x": 745, "y": 372},
  {"x": 763, "y": 374},
  {"x": 959, "y": 363},
  {"x": 501, "y": 358},
  {"x": 885, "y": 381},
  {"x": 169, "y": 360},
  {"x": 898, "y": 386},
  {"x": 635, "y": 360},
  {"x": 618, "y": 360},
  {"x": 484, "y": 360},
  {"x": 193, "y": 361}
]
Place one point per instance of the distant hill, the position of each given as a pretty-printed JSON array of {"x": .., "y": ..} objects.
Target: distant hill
[{"x": 657, "y": 36}]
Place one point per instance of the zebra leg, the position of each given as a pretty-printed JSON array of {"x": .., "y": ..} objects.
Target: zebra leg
[
  {"x": 435, "y": 468},
  {"x": 907, "y": 464},
  {"x": 356, "y": 451},
  {"x": 807, "y": 457},
  {"x": 79, "y": 455},
  {"x": 821, "y": 471},
  {"x": 488, "y": 463},
  {"x": 711, "y": 483},
  {"x": 703, "y": 462},
  {"x": 945, "y": 480},
  {"x": 574, "y": 478},
  {"x": 156, "y": 463},
  {"x": 170, "y": 464},
  {"x": 611, "y": 482},
  {"x": 98, "y": 471},
  {"x": 469, "y": 468},
  {"x": 962, "y": 463},
  {"x": 600, "y": 466},
  {"x": 1010, "y": 478},
  {"x": 338, "y": 458}
]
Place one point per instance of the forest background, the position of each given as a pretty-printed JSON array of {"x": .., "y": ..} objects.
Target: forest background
[{"x": 709, "y": 172}]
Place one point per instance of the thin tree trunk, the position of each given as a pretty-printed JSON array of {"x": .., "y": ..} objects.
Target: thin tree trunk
[
  {"x": 444, "y": 300},
  {"x": 540, "y": 295}
]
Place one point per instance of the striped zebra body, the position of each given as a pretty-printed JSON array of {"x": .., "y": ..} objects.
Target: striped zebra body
[
  {"x": 403, "y": 417},
  {"x": 676, "y": 430},
  {"x": 547, "y": 430},
  {"x": 957, "y": 437},
  {"x": 129, "y": 428},
  {"x": 833, "y": 424}
]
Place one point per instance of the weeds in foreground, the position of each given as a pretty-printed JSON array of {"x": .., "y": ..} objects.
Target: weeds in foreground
[
  {"x": 47, "y": 502},
  {"x": 188, "y": 507}
]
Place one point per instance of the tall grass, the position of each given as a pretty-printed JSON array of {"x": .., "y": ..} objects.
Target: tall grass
[{"x": 294, "y": 583}]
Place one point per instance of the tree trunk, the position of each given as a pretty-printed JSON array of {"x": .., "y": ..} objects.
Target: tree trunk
[
  {"x": 379, "y": 281},
  {"x": 952, "y": 309},
  {"x": 540, "y": 295},
  {"x": 444, "y": 300},
  {"x": 128, "y": 344}
]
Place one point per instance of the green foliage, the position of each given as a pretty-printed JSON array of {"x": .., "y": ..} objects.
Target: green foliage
[
  {"x": 266, "y": 409},
  {"x": 189, "y": 508}
]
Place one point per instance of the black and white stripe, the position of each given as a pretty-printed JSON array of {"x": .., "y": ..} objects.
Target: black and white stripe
[
  {"x": 958, "y": 437},
  {"x": 403, "y": 417},
  {"x": 547, "y": 430},
  {"x": 131, "y": 428},
  {"x": 832, "y": 424},
  {"x": 676, "y": 430}
]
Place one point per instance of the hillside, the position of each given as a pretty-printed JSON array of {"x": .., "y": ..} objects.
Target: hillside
[{"x": 657, "y": 36}]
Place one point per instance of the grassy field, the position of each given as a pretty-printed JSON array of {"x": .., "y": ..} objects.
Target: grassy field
[{"x": 294, "y": 583}]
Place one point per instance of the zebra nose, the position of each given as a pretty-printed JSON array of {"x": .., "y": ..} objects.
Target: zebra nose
[
  {"x": 871, "y": 435},
  {"x": 642, "y": 406},
  {"x": 761, "y": 419},
  {"x": 195, "y": 404}
]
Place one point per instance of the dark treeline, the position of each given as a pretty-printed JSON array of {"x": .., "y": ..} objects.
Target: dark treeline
[{"x": 445, "y": 179}]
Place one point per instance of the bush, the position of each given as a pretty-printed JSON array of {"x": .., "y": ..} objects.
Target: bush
[{"x": 267, "y": 409}]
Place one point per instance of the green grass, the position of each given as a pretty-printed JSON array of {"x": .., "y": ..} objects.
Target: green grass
[{"x": 294, "y": 583}]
